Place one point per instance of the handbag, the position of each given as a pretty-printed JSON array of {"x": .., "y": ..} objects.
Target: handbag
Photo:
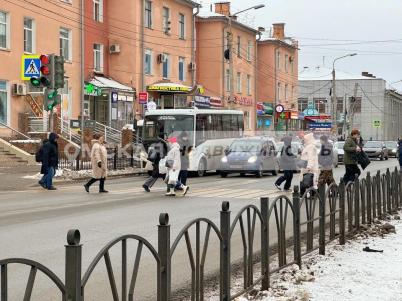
[
  {"x": 363, "y": 159},
  {"x": 169, "y": 163},
  {"x": 301, "y": 163},
  {"x": 307, "y": 182},
  {"x": 173, "y": 177},
  {"x": 162, "y": 166}
]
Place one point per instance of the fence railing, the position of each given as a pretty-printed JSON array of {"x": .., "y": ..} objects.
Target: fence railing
[{"x": 354, "y": 203}]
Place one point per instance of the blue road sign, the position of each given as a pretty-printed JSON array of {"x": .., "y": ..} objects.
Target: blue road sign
[
  {"x": 320, "y": 125},
  {"x": 30, "y": 66}
]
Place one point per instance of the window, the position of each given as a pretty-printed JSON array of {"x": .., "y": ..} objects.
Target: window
[
  {"x": 148, "y": 62},
  {"x": 182, "y": 32},
  {"x": 278, "y": 92},
  {"x": 238, "y": 46},
  {"x": 29, "y": 37},
  {"x": 303, "y": 104},
  {"x": 248, "y": 84},
  {"x": 227, "y": 80},
  {"x": 249, "y": 50},
  {"x": 278, "y": 60},
  {"x": 182, "y": 76},
  {"x": 148, "y": 14},
  {"x": 166, "y": 22},
  {"x": 238, "y": 82},
  {"x": 65, "y": 43},
  {"x": 320, "y": 104},
  {"x": 3, "y": 102},
  {"x": 98, "y": 10},
  {"x": 286, "y": 92},
  {"x": 98, "y": 57},
  {"x": 286, "y": 62},
  {"x": 4, "y": 30},
  {"x": 166, "y": 65}
]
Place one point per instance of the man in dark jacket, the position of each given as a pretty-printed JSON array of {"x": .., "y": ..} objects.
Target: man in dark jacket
[
  {"x": 326, "y": 161},
  {"x": 400, "y": 153},
  {"x": 351, "y": 148},
  {"x": 287, "y": 164},
  {"x": 42, "y": 181},
  {"x": 155, "y": 154},
  {"x": 50, "y": 160}
]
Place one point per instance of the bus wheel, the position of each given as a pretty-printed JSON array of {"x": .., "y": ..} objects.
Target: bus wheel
[
  {"x": 202, "y": 166},
  {"x": 223, "y": 174}
]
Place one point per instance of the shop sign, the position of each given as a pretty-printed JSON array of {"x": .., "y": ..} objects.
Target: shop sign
[
  {"x": 283, "y": 115},
  {"x": 143, "y": 97},
  {"x": 319, "y": 117},
  {"x": 75, "y": 123},
  {"x": 90, "y": 123},
  {"x": 91, "y": 90},
  {"x": 311, "y": 112},
  {"x": 244, "y": 101},
  {"x": 320, "y": 125},
  {"x": 216, "y": 102},
  {"x": 265, "y": 108},
  {"x": 294, "y": 115},
  {"x": 171, "y": 88},
  {"x": 202, "y": 102}
]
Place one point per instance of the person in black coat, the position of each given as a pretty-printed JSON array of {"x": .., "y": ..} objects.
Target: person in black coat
[
  {"x": 400, "y": 153},
  {"x": 42, "y": 169},
  {"x": 50, "y": 160},
  {"x": 287, "y": 163},
  {"x": 155, "y": 154}
]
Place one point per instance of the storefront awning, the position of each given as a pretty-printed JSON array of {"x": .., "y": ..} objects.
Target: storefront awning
[
  {"x": 107, "y": 83},
  {"x": 169, "y": 87}
]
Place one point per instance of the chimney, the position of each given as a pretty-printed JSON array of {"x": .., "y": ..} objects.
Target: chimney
[
  {"x": 222, "y": 8},
  {"x": 367, "y": 74},
  {"x": 279, "y": 31}
]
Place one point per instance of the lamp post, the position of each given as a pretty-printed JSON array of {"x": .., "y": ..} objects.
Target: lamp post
[
  {"x": 333, "y": 96},
  {"x": 230, "y": 46}
]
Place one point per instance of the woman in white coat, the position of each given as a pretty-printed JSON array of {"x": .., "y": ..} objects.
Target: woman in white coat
[
  {"x": 173, "y": 164},
  {"x": 99, "y": 163},
  {"x": 311, "y": 169}
]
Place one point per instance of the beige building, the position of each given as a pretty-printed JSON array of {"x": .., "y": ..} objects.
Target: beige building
[
  {"x": 213, "y": 69},
  {"x": 28, "y": 29}
]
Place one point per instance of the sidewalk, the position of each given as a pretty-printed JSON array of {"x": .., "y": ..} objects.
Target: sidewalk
[{"x": 346, "y": 272}]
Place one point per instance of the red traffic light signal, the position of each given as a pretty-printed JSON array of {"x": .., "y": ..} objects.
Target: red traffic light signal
[
  {"x": 45, "y": 70},
  {"x": 44, "y": 59}
]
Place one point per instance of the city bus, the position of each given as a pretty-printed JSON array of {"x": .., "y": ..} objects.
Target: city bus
[{"x": 210, "y": 132}]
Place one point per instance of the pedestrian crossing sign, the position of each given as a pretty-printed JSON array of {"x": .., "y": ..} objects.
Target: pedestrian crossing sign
[{"x": 30, "y": 66}]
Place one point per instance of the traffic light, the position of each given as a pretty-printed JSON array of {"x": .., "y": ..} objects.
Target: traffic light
[
  {"x": 46, "y": 70},
  {"x": 58, "y": 72},
  {"x": 51, "y": 99}
]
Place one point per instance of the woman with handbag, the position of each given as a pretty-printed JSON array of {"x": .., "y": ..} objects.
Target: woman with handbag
[
  {"x": 310, "y": 157},
  {"x": 99, "y": 163},
  {"x": 173, "y": 164}
]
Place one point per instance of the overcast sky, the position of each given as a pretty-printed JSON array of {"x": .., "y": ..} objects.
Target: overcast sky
[{"x": 339, "y": 22}]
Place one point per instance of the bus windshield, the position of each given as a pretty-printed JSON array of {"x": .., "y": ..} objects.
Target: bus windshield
[{"x": 163, "y": 126}]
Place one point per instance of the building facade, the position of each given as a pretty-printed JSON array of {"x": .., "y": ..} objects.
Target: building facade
[
  {"x": 214, "y": 32},
  {"x": 363, "y": 102},
  {"x": 277, "y": 72},
  {"x": 26, "y": 29}
]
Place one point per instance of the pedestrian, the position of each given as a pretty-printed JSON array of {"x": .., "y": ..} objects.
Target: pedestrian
[
  {"x": 155, "y": 154},
  {"x": 39, "y": 158},
  {"x": 326, "y": 162},
  {"x": 351, "y": 149},
  {"x": 99, "y": 163},
  {"x": 310, "y": 166},
  {"x": 185, "y": 148},
  {"x": 50, "y": 161},
  {"x": 287, "y": 163},
  {"x": 400, "y": 153},
  {"x": 173, "y": 164}
]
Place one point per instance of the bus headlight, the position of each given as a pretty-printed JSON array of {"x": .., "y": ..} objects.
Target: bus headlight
[
  {"x": 224, "y": 159},
  {"x": 252, "y": 159}
]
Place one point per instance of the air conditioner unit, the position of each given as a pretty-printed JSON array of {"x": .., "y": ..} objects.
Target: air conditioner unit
[
  {"x": 191, "y": 66},
  {"x": 114, "y": 48},
  {"x": 19, "y": 89}
]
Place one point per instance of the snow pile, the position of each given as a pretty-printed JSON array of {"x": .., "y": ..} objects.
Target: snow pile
[{"x": 345, "y": 272}]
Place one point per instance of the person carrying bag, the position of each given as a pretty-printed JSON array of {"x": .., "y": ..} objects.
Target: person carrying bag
[{"x": 310, "y": 156}]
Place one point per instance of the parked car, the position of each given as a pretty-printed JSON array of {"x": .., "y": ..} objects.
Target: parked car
[
  {"x": 339, "y": 147},
  {"x": 255, "y": 155},
  {"x": 297, "y": 149},
  {"x": 392, "y": 147},
  {"x": 376, "y": 149},
  {"x": 334, "y": 152}
]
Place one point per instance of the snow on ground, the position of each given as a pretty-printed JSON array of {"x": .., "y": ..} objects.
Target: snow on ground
[{"x": 345, "y": 272}]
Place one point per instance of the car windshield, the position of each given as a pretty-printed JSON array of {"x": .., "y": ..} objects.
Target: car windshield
[
  {"x": 390, "y": 144},
  {"x": 246, "y": 146},
  {"x": 373, "y": 144},
  {"x": 163, "y": 126},
  {"x": 339, "y": 145}
]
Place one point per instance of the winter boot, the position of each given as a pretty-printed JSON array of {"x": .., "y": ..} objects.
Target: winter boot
[{"x": 102, "y": 186}]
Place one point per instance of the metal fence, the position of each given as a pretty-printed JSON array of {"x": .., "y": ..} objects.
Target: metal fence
[{"x": 341, "y": 211}]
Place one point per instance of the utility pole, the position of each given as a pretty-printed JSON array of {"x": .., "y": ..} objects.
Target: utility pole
[
  {"x": 231, "y": 79},
  {"x": 333, "y": 103},
  {"x": 82, "y": 75}
]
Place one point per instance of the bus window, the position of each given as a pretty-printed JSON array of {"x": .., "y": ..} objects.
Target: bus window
[
  {"x": 201, "y": 128},
  {"x": 217, "y": 125},
  {"x": 163, "y": 126}
]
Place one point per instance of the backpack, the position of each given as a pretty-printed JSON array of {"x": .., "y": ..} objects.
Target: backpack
[{"x": 39, "y": 154}]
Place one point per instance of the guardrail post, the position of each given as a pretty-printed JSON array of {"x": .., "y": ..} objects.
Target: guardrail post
[
  {"x": 342, "y": 212},
  {"x": 264, "y": 244},
  {"x": 388, "y": 190},
  {"x": 379, "y": 198},
  {"x": 132, "y": 157},
  {"x": 225, "y": 253},
  {"x": 356, "y": 187},
  {"x": 115, "y": 158},
  {"x": 296, "y": 225},
  {"x": 73, "y": 266},
  {"x": 368, "y": 198},
  {"x": 164, "y": 254},
  {"x": 322, "y": 202},
  {"x": 3, "y": 284}
]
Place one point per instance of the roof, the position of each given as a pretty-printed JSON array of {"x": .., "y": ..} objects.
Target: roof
[
  {"x": 286, "y": 43},
  {"x": 192, "y": 3},
  {"x": 323, "y": 73},
  {"x": 108, "y": 83},
  {"x": 209, "y": 15}
]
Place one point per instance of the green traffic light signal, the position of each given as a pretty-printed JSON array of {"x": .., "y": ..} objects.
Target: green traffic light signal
[{"x": 35, "y": 81}]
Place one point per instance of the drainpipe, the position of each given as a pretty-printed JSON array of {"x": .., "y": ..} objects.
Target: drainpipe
[
  {"x": 276, "y": 86},
  {"x": 225, "y": 28},
  {"x": 256, "y": 78},
  {"x": 82, "y": 71},
  {"x": 193, "y": 33},
  {"x": 142, "y": 84}
]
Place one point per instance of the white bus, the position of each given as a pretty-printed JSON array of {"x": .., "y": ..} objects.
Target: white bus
[{"x": 210, "y": 132}]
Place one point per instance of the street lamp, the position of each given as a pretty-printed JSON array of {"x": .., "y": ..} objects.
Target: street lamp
[
  {"x": 230, "y": 46},
  {"x": 333, "y": 96}
]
